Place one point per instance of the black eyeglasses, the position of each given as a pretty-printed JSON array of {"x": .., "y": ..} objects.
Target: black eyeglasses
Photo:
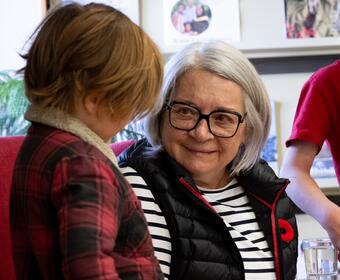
[{"x": 224, "y": 124}]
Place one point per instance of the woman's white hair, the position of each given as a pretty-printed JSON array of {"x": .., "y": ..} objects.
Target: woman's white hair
[{"x": 225, "y": 61}]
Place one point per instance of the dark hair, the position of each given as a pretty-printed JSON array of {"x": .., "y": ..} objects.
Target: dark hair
[{"x": 78, "y": 50}]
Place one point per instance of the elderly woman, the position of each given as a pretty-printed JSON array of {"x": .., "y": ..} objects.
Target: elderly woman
[{"x": 214, "y": 209}]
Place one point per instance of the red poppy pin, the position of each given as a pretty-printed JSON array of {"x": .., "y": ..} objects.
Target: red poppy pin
[{"x": 286, "y": 230}]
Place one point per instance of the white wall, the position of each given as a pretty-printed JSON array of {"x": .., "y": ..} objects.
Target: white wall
[{"x": 18, "y": 19}]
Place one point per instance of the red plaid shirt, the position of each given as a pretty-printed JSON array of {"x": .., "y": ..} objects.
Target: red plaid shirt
[{"x": 73, "y": 215}]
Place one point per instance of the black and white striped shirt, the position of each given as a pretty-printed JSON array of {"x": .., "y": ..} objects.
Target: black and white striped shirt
[{"x": 232, "y": 204}]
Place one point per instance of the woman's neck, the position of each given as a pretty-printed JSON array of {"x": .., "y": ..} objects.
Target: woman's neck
[{"x": 212, "y": 182}]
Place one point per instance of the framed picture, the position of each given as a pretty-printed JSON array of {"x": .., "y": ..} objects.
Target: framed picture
[
  {"x": 128, "y": 7},
  {"x": 297, "y": 27},
  {"x": 185, "y": 21},
  {"x": 312, "y": 18}
]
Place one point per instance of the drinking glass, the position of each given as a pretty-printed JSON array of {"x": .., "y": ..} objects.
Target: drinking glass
[{"x": 320, "y": 258}]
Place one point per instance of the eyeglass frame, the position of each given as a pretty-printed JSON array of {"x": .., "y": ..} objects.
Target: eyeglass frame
[{"x": 206, "y": 117}]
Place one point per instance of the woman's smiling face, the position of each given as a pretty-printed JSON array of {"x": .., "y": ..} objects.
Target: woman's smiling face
[{"x": 204, "y": 155}]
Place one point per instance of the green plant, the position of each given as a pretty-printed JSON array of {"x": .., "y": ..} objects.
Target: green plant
[{"x": 13, "y": 104}]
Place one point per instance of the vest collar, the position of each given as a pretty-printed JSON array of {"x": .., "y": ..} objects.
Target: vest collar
[{"x": 262, "y": 182}]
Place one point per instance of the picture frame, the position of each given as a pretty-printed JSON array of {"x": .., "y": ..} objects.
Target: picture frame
[
  {"x": 187, "y": 21},
  {"x": 312, "y": 19},
  {"x": 131, "y": 8}
]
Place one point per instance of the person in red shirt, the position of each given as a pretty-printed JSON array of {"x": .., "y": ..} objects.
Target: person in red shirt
[
  {"x": 316, "y": 120},
  {"x": 89, "y": 71}
]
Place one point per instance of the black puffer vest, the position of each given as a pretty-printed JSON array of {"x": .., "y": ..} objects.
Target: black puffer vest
[{"x": 202, "y": 247}]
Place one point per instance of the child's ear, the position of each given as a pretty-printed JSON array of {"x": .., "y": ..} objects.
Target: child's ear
[{"x": 91, "y": 103}]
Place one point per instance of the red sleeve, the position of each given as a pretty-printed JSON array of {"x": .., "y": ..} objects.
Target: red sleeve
[
  {"x": 86, "y": 196},
  {"x": 312, "y": 117}
]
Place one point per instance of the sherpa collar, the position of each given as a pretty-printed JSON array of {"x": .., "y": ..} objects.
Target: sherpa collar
[{"x": 66, "y": 122}]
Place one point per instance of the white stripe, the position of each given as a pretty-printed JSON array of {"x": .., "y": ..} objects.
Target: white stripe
[
  {"x": 162, "y": 256},
  {"x": 262, "y": 245},
  {"x": 135, "y": 180},
  {"x": 152, "y": 218},
  {"x": 159, "y": 231},
  {"x": 161, "y": 243},
  {"x": 260, "y": 276},
  {"x": 237, "y": 216},
  {"x": 166, "y": 270},
  {"x": 148, "y": 205},
  {"x": 243, "y": 244},
  {"x": 142, "y": 192},
  {"x": 128, "y": 169},
  {"x": 255, "y": 254},
  {"x": 255, "y": 265}
]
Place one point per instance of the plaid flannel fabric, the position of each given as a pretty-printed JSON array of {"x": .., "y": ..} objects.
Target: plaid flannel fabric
[{"x": 73, "y": 215}]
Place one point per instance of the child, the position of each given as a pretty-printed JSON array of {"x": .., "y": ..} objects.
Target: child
[{"x": 89, "y": 71}]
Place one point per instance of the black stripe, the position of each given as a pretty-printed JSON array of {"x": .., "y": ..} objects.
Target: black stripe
[
  {"x": 241, "y": 238},
  {"x": 130, "y": 173},
  {"x": 257, "y": 249},
  {"x": 246, "y": 232},
  {"x": 251, "y": 249},
  {"x": 153, "y": 212},
  {"x": 161, "y": 237},
  {"x": 242, "y": 205},
  {"x": 263, "y": 270},
  {"x": 258, "y": 260},
  {"x": 158, "y": 225},
  {"x": 243, "y": 194},
  {"x": 233, "y": 206},
  {"x": 162, "y": 250},
  {"x": 164, "y": 263},
  {"x": 139, "y": 186},
  {"x": 143, "y": 198},
  {"x": 258, "y": 240},
  {"x": 242, "y": 222},
  {"x": 231, "y": 212}
]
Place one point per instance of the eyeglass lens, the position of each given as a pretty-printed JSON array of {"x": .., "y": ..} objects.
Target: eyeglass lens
[{"x": 185, "y": 117}]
